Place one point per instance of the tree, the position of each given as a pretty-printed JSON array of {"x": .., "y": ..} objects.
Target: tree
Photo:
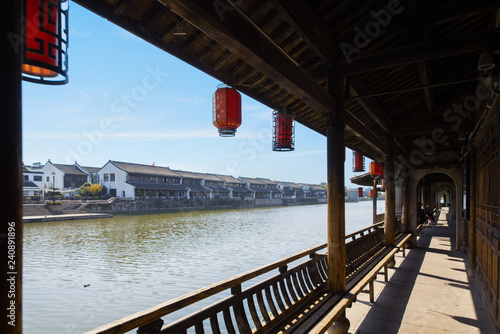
[
  {"x": 84, "y": 189},
  {"x": 95, "y": 190}
]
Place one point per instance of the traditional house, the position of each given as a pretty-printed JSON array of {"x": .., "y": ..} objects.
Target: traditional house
[
  {"x": 124, "y": 179},
  {"x": 258, "y": 188},
  {"x": 276, "y": 192},
  {"x": 194, "y": 182},
  {"x": 32, "y": 182},
  {"x": 216, "y": 185},
  {"x": 319, "y": 191},
  {"x": 66, "y": 178},
  {"x": 237, "y": 188},
  {"x": 291, "y": 190},
  {"x": 92, "y": 171}
]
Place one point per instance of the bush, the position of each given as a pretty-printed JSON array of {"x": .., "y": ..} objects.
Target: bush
[
  {"x": 77, "y": 197},
  {"x": 54, "y": 203}
]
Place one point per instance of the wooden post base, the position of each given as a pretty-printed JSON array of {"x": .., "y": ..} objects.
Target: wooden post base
[
  {"x": 341, "y": 326},
  {"x": 391, "y": 263}
]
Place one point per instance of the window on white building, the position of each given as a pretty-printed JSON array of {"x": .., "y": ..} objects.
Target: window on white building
[
  {"x": 112, "y": 177},
  {"x": 106, "y": 177},
  {"x": 37, "y": 178}
]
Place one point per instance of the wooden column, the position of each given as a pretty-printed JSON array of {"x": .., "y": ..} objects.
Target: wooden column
[
  {"x": 375, "y": 193},
  {"x": 406, "y": 204},
  {"x": 472, "y": 221},
  {"x": 11, "y": 221},
  {"x": 390, "y": 200},
  {"x": 335, "y": 159}
]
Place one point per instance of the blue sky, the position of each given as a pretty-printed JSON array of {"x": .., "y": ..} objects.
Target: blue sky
[{"x": 127, "y": 100}]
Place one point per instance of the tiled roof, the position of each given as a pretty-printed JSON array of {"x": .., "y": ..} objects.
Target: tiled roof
[
  {"x": 158, "y": 186},
  {"x": 201, "y": 176},
  {"x": 197, "y": 188},
  {"x": 90, "y": 169},
  {"x": 69, "y": 169},
  {"x": 267, "y": 181},
  {"x": 289, "y": 184},
  {"x": 30, "y": 184},
  {"x": 219, "y": 189},
  {"x": 144, "y": 169},
  {"x": 252, "y": 180},
  {"x": 230, "y": 179}
]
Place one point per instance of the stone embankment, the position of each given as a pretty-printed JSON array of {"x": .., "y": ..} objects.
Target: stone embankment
[{"x": 121, "y": 206}]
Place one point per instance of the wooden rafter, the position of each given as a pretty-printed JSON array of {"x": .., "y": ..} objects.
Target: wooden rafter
[
  {"x": 261, "y": 52},
  {"x": 305, "y": 21},
  {"x": 442, "y": 47}
]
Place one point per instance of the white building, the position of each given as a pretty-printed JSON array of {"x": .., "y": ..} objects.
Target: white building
[
  {"x": 67, "y": 179},
  {"x": 124, "y": 179},
  {"x": 32, "y": 182}
]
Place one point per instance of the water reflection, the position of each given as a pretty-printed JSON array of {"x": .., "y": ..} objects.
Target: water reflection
[{"x": 135, "y": 262}]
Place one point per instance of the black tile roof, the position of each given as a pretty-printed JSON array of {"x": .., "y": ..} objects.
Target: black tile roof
[
  {"x": 144, "y": 169},
  {"x": 158, "y": 186},
  {"x": 69, "y": 169}
]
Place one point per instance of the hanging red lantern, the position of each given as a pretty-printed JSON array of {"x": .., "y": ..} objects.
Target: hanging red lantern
[
  {"x": 381, "y": 171},
  {"x": 358, "y": 162},
  {"x": 283, "y": 131},
  {"x": 374, "y": 169},
  {"x": 370, "y": 194},
  {"x": 360, "y": 192},
  {"x": 46, "y": 49},
  {"x": 226, "y": 111}
]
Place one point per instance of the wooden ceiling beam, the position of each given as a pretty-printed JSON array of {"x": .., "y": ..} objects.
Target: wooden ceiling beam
[
  {"x": 447, "y": 13},
  {"x": 438, "y": 48},
  {"x": 307, "y": 24},
  {"x": 230, "y": 28}
]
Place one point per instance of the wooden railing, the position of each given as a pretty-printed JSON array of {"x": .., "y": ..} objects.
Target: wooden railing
[{"x": 147, "y": 316}]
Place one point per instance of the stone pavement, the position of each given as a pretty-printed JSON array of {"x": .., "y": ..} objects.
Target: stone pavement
[{"x": 428, "y": 292}]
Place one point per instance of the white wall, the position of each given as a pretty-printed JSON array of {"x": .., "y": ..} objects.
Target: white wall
[
  {"x": 47, "y": 170},
  {"x": 120, "y": 181}
]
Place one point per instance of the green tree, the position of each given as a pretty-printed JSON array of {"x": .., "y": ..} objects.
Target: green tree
[
  {"x": 84, "y": 190},
  {"x": 95, "y": 190}
]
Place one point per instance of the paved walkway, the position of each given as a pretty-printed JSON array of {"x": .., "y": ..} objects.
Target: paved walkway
[{"x": 428, "y": 292}]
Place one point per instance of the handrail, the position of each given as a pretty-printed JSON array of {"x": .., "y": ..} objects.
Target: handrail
[{"x": 143, "y": 317}]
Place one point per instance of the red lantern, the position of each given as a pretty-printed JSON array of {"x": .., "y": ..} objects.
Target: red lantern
[
  {"x": 283, "y": 132},
  {"x": 370, "y": 193},
  {"x": 45, "y": 57},
  {"x": 374, "y": 169},
  {"x": 360, "y": 192},
  {"x": 381, "y": 171},
  {"x": 226, "y": 111},
  {"x": 358, "y": 162}
]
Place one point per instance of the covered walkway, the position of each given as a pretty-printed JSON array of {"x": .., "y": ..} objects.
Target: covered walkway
[{"x": 428, "y": 292}]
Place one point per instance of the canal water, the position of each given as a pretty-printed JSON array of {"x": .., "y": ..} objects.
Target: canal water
[{"x": 79, "y": 275}]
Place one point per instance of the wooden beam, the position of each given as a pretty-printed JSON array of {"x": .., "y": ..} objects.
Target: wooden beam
[
  {"x": 11, "y": 215},
  {"x": 438, "y": 48},
  {"x": 411, "y": 89},
  {"x": 365, "y": 134},
  {"x": 306, "y": 23},
  {"x": 370, "y": 104},
  {"x": 446, "y": 13},
  {"x": 315, "y": 33},
  {"x": 426, "y": 80},
  {"x": 230, "y": 28}
]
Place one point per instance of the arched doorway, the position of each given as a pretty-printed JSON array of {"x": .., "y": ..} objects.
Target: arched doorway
[{"x": 427, "y": 186}]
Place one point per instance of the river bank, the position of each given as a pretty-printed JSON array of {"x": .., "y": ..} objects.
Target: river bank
[{"x": 116, "y": 206}]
